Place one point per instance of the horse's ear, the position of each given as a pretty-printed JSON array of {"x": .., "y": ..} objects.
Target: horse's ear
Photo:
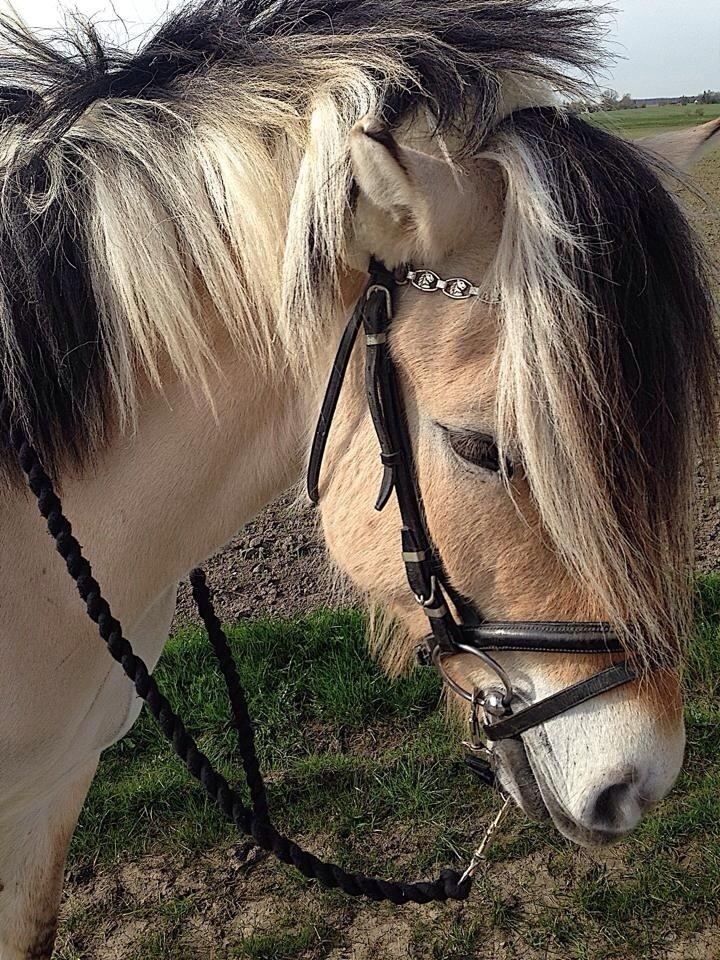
[
  {"x": 406, "y": 197},
  {"x": 383, "y": 169},
  {"x": 684, "y": 147}
]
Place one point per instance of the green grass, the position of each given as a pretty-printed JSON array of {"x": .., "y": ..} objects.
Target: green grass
[
  {"x": 283, "y": 945},
  {"x": 312, "y": 689},
  {"x": 366, "y": 768},
  {"x": 652, "y": 120}
]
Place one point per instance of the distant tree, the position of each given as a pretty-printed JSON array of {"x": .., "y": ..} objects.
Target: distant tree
[
  {"x": 609, "y": 100},
  {"x": 576, "y": 107}
]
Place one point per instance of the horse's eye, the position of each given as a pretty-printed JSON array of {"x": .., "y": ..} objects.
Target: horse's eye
[{"x": 480, "y": 450}]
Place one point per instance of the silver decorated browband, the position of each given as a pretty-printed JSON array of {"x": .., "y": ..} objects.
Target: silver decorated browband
[{"x": 457, "y": 288}]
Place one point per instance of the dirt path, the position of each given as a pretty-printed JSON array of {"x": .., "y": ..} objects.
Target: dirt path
[{"x": 708, "y": 220}]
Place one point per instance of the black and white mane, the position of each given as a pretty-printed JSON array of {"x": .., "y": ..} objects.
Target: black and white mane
[
  {"x": 222, "y": 83},
  {"x": 208, "y": 173}
]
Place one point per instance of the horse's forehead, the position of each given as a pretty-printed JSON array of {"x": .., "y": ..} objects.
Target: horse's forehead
[
  {"x": 448, "y": 351},
  {"x": 448, "y": 348}
]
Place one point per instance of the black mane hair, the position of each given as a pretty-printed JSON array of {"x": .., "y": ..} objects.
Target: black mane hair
[
  {"x": 455, "y": 48},
  {"x": 650, "y": 308}
]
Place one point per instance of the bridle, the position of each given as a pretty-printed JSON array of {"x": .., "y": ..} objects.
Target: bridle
[
  {"x": 470, "y": 633},
  {"x": 432, "y": 588}
]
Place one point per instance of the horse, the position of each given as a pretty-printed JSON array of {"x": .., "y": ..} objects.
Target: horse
[{"x": 183, "y": 229}]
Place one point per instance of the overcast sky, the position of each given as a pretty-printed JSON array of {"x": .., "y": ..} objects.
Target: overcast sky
[{"x": 672, "y": 47}]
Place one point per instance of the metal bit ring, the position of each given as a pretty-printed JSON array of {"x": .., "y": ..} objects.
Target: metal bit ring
[{"x": 439, "y": 656}]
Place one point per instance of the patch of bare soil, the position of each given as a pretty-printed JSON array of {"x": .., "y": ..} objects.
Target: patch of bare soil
[
  {"x": 237, "y": 903},
  {"x": 275, "y": 567},
  {"x": 217, "y": 906}
]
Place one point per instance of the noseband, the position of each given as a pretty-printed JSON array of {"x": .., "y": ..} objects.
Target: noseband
[{"x": 467, "y": 633}]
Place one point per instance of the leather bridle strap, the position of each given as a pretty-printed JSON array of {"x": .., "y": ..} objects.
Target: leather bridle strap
[
  {"x": 512, "y": 726},
  {"x": 562, "y": 637},
  {"x": 542, "y": 637},
  {"x": 387, "y": 410},
  {"x": 423, "y": 564},
  {"x": 330, "y": 401},
  {"x": 374, "y": 312}
]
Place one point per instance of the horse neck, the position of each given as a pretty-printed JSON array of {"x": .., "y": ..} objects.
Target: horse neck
[{"x": 162, "y": 500}]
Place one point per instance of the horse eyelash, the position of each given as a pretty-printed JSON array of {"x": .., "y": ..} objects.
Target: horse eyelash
[{"x": 462, "y": 444}]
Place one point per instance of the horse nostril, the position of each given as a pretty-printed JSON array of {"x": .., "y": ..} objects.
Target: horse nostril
[
  {"x": 619, "y": 807},
  {"x": 611, "y": 805}
]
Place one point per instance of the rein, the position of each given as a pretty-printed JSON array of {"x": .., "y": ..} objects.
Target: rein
[
  {"x": 468, "y": 634},
  {"x": 253, "y": 821}
]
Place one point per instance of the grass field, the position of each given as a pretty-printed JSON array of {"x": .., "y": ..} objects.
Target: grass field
[
  {"x": 365, "y": 769},
  {"x": 652, "y": 120}
]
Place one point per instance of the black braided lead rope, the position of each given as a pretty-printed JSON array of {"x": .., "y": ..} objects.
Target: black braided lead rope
[
  {"x": 254, "y": 822},
  {"x": 236, "y": 694}
]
